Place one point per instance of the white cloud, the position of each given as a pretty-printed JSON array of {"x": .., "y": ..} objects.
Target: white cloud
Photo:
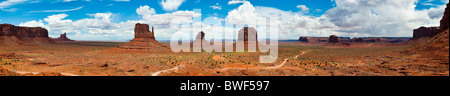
[
  {"x": 5, "y": 4},
  {"x": 33, "y": 24},
  {"x": 66, "y": 10},
  {"x": 171, "y": 5},
  {"x": 217, "y": 6},
  {"x": 144, "y": 10},
  {"x": 236, "y": 2},
  {"x": 101, "y": 27},
  {"x": 303, "y": 8},
  {"x": 8, "y": 3},
  {"x": 244, "y": 14}
]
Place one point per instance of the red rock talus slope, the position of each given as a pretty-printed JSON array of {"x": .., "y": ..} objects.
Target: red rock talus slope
[
  {"x": 11, "y": 35},
  {"x": 62, "y": 37},
  {"x": 144, "y": 40}
]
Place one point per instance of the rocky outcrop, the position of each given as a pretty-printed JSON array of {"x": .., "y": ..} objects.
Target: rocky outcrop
[
  {"x": 248, "y": 34},
  {"x": 377, "y": 40},
  {"x": 16, "y": 35},
  {"x": 313, "y": 39},
  {"x": 11, "y": 30},
  {"x": 357, "y": 40},
  {"x": 144, "y": 40},
  {"x": 142, "y": 31},
  {"x": 444, "y": 20},
  {"x": 425, "y": 32},
  {"x": 333, "y": 39},
  {"x": 62, "y": 37}
]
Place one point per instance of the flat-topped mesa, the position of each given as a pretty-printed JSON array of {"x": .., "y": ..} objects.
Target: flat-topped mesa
[
  {"x": 11, "y": 30},
  {"x": 62, "y": 37},
  {"x": 142, "y": 31},
  {"x": 333, "y": 39},
  {"x": 444, "y": 20},
  {"x": 307, "y": 39},
  {"x": 426, "y": 32},
  {"x": 17, "y": 35}
]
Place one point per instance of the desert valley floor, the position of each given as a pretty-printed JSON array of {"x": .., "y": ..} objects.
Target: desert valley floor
[{"x": 88, "y": 58}]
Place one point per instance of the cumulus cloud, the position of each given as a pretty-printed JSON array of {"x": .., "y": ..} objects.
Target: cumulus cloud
[
  {"x": 171, "y": 5},
  {"x": 101, "y": 27},
  {"x": 144, "y": 10},
  {"x": 244, "y": 14},
  {"x": 352, "y": 18},
  {"x": 303, "y": 8}
]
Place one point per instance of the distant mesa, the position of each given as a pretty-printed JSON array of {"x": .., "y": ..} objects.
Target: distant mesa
[
  {"x": 313, "y": 39},
  {"x": 11, "y": 35},
  {"x": 333, "y": 39},
  {"x": 62, "y": 37},
  {"x": 144, "y": 39}
]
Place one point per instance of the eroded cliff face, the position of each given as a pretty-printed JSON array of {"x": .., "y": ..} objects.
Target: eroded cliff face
[
  {"x": 142, "y": 31},
  {"x": 11, "y": 30},
  {"x": 16, "y": 35},
  {"x": 425, "y": 32},
  {"x": 444, "y": 20}
]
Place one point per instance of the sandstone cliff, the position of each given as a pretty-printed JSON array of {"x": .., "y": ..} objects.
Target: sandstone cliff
[
  {"x": 444, "y": 20},
  {"x": 16, "y": 35}
]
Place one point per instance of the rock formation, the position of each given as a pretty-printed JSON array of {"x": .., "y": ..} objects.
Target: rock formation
[
  {"x": 425, "y": 32},
  {"x": 248, "y": 36},
  {"x": 333, "y": 39},
  {"x": 357, "y": 40},
  {"x": 16, "y": 35},
  {"x": 444, "y": 20},
  {"x": 313, "y": 39},
  {"x": 144, "y": 40},
  {"x": 62, "y": 37},
  {"x": 376, "y": 40}
]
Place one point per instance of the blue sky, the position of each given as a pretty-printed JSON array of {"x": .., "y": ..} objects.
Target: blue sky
[{"x": 322, "y": 15}]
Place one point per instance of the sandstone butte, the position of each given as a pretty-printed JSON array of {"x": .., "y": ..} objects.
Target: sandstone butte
[
  {"x": 144, "y": 40},
  {"x": 199, "y": 40},
  {"x": 11, "y": 35},
  {"x": 248, "y": 36},
  {"x": 62, "y": 37},
  {"x": 333, "y": 39}
]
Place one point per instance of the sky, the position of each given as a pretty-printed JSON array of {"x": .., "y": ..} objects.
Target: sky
[{"x": 114, "y": 19}]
